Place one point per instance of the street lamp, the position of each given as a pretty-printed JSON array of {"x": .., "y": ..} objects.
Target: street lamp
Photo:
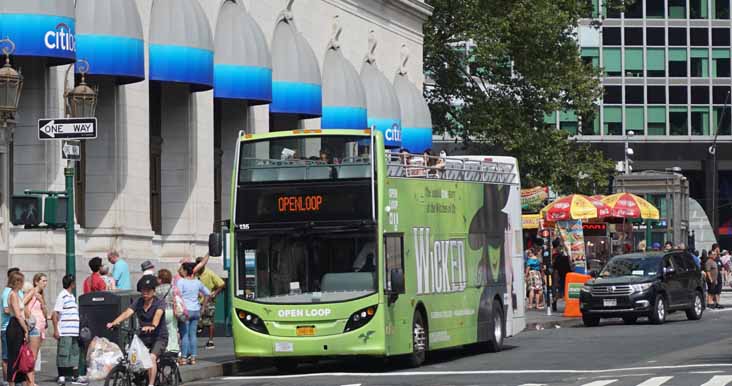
[
  {"x": 81, "y": 102},
  {"x": 11, "y": 84},
  {"x": 628, "y": 150}
]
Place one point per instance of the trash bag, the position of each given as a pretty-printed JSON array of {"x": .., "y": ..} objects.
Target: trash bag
[
  {"x": 140, "y": 358},
  {"x": 101, "y": 358}
]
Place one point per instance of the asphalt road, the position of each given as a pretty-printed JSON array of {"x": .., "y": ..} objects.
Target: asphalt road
[{"x": 678, "y": 353}]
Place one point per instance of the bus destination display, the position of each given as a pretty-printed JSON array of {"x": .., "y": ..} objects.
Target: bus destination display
[
  {"x": 299, "y": 203},
  {"x": 283, "y": 204}
]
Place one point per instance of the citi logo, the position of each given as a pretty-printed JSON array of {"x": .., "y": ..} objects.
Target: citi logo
[
  {"x": 60, "y": 39},
  {"x": 394, "y": 133}
]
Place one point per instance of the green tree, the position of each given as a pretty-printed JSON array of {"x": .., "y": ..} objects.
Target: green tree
[{"x": 522, "y": 62}]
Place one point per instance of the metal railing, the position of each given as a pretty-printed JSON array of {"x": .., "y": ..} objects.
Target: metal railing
[{"x": 403, "y": 165}]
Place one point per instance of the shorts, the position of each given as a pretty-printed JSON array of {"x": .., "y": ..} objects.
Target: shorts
[
  {"x": 207, "y": 315},
  {"x": 68, "y": 352},
  {"x": 157, "y": 347},
  {"x": 34, "y": 332},
  {"x": 5, "y": 345}
]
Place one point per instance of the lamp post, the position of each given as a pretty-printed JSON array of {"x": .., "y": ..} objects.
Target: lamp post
[
  {"x": 11, "y": 85},
  {"x": 628, "y": 151},
  {"x": 81, "y": 102}
]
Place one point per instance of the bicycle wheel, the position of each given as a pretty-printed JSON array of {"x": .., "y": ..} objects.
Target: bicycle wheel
[
  {"x": 119, "y": 376},
  {"x": 167, "y": 375}
]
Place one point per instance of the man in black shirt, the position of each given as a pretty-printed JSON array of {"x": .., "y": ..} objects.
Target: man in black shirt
[{"x": 150, "y": 311}]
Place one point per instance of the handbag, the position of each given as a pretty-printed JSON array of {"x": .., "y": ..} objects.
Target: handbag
[
  {"x": 25, "y": 362},
  {"x": 179, "y": 307}
]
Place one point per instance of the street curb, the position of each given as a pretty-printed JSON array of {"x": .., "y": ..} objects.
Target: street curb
[
  {"x": 552, "y": 324},
  {"x": 206, "y": 370}
]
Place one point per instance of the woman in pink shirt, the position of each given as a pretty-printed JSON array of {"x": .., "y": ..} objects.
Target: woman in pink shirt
[{"x": 36, "y": 313}]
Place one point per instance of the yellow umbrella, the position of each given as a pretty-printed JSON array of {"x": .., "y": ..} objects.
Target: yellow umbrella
[
  {"x": 575, "y": 207},
  {"x": 629, "y": 205}
]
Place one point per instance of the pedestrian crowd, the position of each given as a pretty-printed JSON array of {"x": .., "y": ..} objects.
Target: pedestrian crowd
[
  {"x": 169, "y": 311},
  {"x": 546, "y": 274}
]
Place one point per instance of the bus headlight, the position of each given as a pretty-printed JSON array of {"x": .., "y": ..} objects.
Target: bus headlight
[
  {"x": 252, "y": 322},
  {"x": 360, "y": 318}
]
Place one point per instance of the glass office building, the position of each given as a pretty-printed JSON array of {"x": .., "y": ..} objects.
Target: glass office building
[{"x": 666, "y": 77}]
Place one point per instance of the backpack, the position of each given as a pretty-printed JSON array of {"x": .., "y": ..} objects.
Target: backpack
[{"x": 25, "y": 363}]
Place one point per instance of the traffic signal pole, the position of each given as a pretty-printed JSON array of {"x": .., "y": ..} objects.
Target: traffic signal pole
[{"x": 70, "y": 237}]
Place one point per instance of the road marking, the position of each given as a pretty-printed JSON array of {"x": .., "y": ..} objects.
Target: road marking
[
  {"x": 655, "y": 381},
  {"x": 352, "y": 384},
  {"x": 601, "y": 383},
  {"x": 719, "y": 380},
  {"x": 533, "y": 384},
  {"x": 478, "y": 372}
]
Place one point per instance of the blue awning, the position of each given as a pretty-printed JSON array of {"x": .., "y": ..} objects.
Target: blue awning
[
  {"x": 416, "y": 118},
  {"x": 382, "y": 102},
  {"x": 181, "y": 48},
  {"x": 242, "y": 63},
  {"x": 109, "y": 37},
  {"x": 40, "y": 28},
  {"x": 344, "y": 99},
  {"x": 296, "y": 84}
]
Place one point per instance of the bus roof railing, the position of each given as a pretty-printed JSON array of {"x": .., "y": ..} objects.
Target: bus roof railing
[{"x": 487, "y": 171}]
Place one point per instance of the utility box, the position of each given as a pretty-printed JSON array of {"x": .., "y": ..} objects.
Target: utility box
[
  {"x": 54, "y": 214},
  {"x": 669, "y": 192}
]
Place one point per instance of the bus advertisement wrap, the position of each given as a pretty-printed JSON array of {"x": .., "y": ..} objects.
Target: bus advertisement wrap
[{"x": 315, "y": 276}]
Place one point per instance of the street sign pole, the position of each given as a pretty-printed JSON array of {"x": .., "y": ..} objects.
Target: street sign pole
[{"x": 70, "y": 239}]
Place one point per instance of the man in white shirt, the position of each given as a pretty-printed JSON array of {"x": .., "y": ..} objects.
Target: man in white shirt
[{"x": 66, "y": 331}]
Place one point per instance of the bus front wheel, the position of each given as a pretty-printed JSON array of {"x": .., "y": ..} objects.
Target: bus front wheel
[{"x": 419, "y": 341}]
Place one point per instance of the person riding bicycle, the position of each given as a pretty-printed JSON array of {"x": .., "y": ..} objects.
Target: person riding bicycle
[{"x": 150, "y": 312}]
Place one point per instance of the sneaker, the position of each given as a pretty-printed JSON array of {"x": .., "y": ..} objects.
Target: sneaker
[
  {"x": 210, "y": 345},
  {"x": 60, "y": 381},
  {"x": 719, "y": 306},
  {"x": 81, "y": 380}
]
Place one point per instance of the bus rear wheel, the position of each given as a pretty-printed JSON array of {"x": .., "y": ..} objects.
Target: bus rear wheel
[
  {"x": 498, "y": 328},
  {"x": 419, "y": 341}
]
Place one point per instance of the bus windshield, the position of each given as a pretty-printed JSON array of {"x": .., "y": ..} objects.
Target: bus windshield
[
  {"x": 307, "y": 268},
  {"x": 305, "y": 158}
]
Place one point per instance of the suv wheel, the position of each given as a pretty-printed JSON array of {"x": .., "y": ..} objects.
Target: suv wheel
[
  {"x": 658, "y": 313},
  {"x": 697, "y": 307},
  {"x": 590, "y": 321}
]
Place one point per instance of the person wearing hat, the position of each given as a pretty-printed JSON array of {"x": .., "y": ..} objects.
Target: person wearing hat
[
  {"x": 150, "y": 312},
  {"x": 147, "y": 268}
]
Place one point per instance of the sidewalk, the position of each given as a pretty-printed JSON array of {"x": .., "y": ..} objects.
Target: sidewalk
[
  {"x": 539, "y": 320},
  {"x": 210, "y": 363}
]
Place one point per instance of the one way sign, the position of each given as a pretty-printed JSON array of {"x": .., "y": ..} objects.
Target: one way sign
[{"x": 71, "y": 128}]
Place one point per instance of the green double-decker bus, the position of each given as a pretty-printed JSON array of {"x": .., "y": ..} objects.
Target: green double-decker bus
[{"x": 341, "y": 247}]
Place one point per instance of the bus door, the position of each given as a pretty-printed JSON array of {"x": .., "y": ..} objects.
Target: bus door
[{"x": 398, "y": 306}]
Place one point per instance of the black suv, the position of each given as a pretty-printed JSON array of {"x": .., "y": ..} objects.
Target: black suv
[{"x": 644, "y": 284}]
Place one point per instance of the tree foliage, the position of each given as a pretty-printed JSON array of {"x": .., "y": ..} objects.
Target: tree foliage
[{"x": 524, "y": 63}]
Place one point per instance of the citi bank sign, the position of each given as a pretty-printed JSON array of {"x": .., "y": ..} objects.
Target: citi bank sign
[
  {"x": 60, "y": 39},
  {"x": 394, "y": 133}
]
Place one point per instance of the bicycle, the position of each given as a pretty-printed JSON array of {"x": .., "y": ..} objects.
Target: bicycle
[{"x": 124, "y": 375}]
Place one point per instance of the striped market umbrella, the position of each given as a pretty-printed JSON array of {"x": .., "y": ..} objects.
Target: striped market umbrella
[
  {"x": 575, "y": 207},
  {"x": 629, "y": 205}
]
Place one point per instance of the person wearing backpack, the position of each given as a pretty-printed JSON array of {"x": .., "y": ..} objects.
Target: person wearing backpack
[
  {"x": 17, "y": 333},
  {"x": 167, "y": 293}
]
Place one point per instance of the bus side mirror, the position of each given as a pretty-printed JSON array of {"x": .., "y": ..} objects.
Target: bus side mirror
[
  {"x": 214, "y": 244},
  {"x": 397, "y": 284}
]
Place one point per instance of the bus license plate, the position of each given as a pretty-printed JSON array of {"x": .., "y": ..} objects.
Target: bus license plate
[
  {"x": 609, "y": 302},
  {"x": 305, "y": 331},
  {"x": 284, "y": 347}
]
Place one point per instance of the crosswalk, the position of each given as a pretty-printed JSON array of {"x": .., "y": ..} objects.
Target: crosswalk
[{"x": 702, "y": 379}]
